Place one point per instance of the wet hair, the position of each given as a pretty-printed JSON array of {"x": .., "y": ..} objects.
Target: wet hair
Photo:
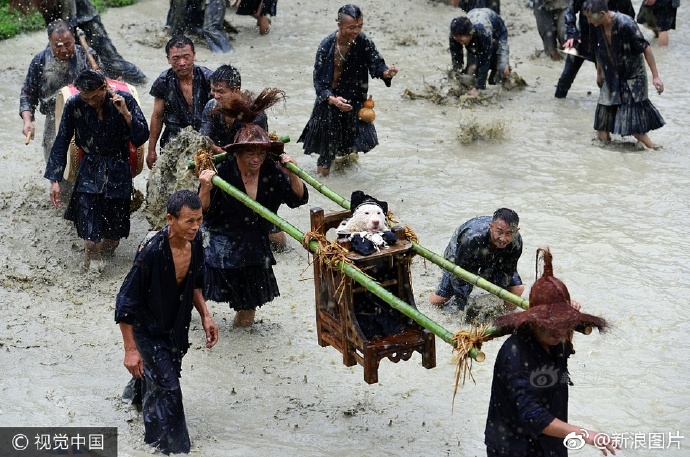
[
  {"x": 179, "y": 42},
  {"x": 180, "y": 199},
  {"x": 461, "y": 26},
  {"x": 506, "y": 215},
  {"x": 89, "y": 80},
  {"x": 350, "y": 10},
  {"x": 226, "y": 74},
  {"x": 595, "y": 6},
  {"x": 246, "y": 107},
  {"x": 60, "y": 27}
]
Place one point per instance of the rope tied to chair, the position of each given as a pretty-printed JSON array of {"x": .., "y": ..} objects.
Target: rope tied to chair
[{"x": 330, "y": 255}]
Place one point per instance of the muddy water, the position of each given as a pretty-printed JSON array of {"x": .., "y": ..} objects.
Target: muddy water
[{"x": 613, "y": 217}]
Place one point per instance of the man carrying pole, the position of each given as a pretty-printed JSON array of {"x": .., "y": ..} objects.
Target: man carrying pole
[{"x": 486, "y": 246}]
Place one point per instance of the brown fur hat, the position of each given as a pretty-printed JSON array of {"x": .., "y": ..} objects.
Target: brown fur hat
[{"x": 550, "y": 306}]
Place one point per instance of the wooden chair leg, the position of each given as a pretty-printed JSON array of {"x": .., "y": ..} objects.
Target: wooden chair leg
[
  {"x": 429, "y": 354},
  {"x": 371, "y": 366}
]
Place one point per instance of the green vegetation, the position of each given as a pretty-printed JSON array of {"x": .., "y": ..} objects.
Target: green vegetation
[
  {"x": 13, "y": 22},
  {"x": 118, "y": 3}
]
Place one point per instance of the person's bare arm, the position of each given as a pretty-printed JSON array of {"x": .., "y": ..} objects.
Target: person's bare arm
[
  {"x": 210, "y": 327},
  {"x": 155, "y": 129},
  {"x": 296, "y": 183},
  {"x": 133, "y": 361},
  {"x": 559, "y": 429},
  {"x": 656, "y": 81},
  {"x": 205, "y": 186}
]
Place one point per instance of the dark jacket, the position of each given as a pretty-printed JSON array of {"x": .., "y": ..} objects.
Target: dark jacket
[
  {"x": 150, "y": 299},
  {"x": 529, "y": 390},
  {"x": 353, "y": 85},
  {"x": 176, "y": 114},
  {"x": 238, "y": 235},
  {"x": 581, "y": 29},
  {"x": 104, "y": 167}
]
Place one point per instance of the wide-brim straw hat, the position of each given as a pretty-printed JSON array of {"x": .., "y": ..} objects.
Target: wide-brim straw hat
[
  {"x": 549, "y": 307},
  {"x": 253, "y": 136}
]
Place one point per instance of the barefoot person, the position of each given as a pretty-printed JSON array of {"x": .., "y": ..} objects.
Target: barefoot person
[
  {"x": 239, "y": 262},
  {"x": 623, "y": 107},
  {"x": 344, "y": 61},
  {"x": 486, "y": 246},
  {"x": 528, "y": 409},
  {"x": 259, "y": 10},
  {"x": 103, "y": 124},
  {"x": 154, "y": 310}
]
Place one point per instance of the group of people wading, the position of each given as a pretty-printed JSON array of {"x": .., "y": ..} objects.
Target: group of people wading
[{"x": 174, "y": 271}]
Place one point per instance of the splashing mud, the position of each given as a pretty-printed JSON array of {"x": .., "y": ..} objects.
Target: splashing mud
[{"x": 171, "y": 174}]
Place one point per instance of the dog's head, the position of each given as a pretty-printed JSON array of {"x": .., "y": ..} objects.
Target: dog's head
[{"x": 368, "y": 217}]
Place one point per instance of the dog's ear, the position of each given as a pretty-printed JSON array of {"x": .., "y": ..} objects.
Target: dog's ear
[{"x": 356, "y": 199}]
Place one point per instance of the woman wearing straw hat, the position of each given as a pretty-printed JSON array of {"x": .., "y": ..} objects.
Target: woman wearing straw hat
[
  {"x": 528, "y": 410},
  {"x": 239, "y": 262}
]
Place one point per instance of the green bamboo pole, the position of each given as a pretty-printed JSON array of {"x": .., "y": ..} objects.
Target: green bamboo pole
[
  {"x": 432, "y": 257},
  {"x": 424, "y": 252},
  {"x": 470, "y": 277},
  {"x": 348, "y": 269}
]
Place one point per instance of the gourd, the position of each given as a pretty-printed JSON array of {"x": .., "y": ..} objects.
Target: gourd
[{"x": 366, "y": 113}]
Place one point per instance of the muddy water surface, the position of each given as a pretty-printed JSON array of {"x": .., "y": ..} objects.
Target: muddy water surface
[{"x": 613, "y": 216}]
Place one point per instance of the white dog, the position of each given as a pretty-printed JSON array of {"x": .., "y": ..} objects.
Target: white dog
[{"x": 367, "y": 217}]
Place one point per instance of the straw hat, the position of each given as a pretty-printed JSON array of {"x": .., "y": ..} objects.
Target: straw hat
[
  {"x": 253, "y": 136},
  {"x": 550, "y": 306}
]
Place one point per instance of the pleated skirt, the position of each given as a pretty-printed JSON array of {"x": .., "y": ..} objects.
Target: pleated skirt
[
  {"x": 245, "y": 288},
  {"x": 629, "y": 117}
]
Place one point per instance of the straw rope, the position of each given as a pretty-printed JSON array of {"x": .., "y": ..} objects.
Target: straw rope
[
  {"x": 463, "y": 341},
  {"x": 330, "y": 254},
  {"x": 203, "y": 160}
]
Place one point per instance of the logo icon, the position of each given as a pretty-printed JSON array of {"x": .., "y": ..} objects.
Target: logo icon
[
  {"x": 544, "y": 377},
  {"x": 20, "y": 442},
  {"x": 574, "y": 441}
]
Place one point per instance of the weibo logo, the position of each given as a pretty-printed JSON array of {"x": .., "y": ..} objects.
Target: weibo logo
[{"x": 544, "y": 377}]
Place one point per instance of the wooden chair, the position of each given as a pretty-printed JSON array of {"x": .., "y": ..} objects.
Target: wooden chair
[{"x": 339, "y": 299}]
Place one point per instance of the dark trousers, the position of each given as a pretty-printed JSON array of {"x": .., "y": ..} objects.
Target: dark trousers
[
  {"x": 570, "y": 69},
  {"x": 164, "y": 419}
]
